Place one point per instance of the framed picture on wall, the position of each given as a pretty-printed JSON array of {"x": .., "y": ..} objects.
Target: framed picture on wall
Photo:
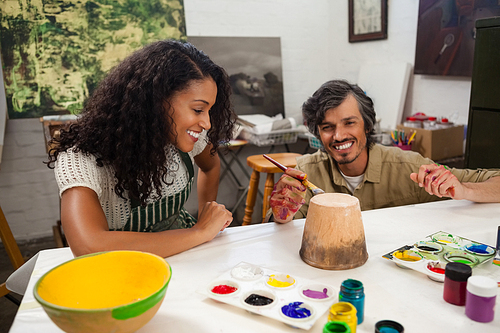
[{"x": 367, "y": 20}]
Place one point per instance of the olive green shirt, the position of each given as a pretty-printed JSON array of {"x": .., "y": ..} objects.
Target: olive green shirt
[{"x": 386, "y": 182}]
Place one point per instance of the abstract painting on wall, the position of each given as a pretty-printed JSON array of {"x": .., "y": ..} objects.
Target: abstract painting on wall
[
  {"x": 446, "y": 35},
  {"x": 54, "y": 53},
  {"x": 254, "y": 68}
]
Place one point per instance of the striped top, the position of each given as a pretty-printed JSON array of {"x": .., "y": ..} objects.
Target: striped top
[{"x": 78, "y": 169}]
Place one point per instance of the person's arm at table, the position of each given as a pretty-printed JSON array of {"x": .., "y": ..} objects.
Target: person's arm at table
[
  {"x": 87, "y": 231},
  {"x": 288, "y": 195},
  {"x": 438, "y": 180},
  {"x": 208, "y": 178}
]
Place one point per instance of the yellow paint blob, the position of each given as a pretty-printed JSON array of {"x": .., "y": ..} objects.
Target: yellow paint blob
[
  {"x": 407, "y": 255},
  {"x": 280, "y": 281},
  {"x": 105, "y": 280}
]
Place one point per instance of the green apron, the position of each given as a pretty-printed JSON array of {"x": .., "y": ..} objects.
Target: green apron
[{"x": 165, "y": 214}]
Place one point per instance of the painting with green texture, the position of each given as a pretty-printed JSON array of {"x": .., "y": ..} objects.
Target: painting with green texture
[{"x": 54, "y": 53}]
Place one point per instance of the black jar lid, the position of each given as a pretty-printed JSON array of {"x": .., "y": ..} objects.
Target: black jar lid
[
  {"x": 394, "y": 325},
  {"x": 457, "y": 271}
]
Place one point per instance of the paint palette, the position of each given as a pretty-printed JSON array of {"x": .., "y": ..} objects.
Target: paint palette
[
  {"x": 430, "y": 255},
  {"x": 290, "y": 299}
]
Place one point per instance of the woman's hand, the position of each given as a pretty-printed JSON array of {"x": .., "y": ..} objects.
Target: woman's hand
[
  {"x": 288, "y": 195},
  {"x": 213, "y": 218}
]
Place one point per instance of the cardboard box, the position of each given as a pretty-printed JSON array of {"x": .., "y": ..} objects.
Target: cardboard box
[{"x": 437, "y": 144}]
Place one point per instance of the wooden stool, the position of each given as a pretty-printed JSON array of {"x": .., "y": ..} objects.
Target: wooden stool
[{"x": 259, "y": 164}]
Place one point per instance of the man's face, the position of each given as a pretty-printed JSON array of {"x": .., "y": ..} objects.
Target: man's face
[{"x": 343, "y": 135}]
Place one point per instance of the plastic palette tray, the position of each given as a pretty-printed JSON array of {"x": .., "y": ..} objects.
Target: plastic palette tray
[
  {"x": 283, "y": 288},
  {"x": 430, "y": 255}
]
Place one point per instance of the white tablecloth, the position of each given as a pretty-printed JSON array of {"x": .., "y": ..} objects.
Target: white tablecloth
[{"x": 403, "y": 295}]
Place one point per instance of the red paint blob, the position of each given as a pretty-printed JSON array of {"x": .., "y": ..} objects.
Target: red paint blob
[
  {"x": 223, "y": 289},
  {"x": 436, "y": 269}
]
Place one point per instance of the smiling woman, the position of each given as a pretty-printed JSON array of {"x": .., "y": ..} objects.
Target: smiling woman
[{"x": 125, "y": 168}]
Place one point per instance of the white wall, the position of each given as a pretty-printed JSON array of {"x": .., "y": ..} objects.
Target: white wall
[{"x": 315, "y": 48}]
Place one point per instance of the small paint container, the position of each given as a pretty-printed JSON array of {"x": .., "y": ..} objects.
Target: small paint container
[
  {"x": 258, "y": 299},
  {"x": 317, "y": 292},
  {"x": 352, "y": 291},
  {"x": 455, "y": 282},
  {"x": 388, "y": 326},
  {"x": 481, "y": 298},
  {"x": 246, "y": 272},
  {"x": 444, "y": 238},
  {"x": 435, "y": 270},
  {"x": 223, "y": 288},
  {"x": 479, "y": 249},
  {"x": 461, "y": 257},
  {"x": 428, "y": 247},
  {"x": 345, "y": 312},
  {"x": 281, "y": 281},
  {"x": 297, "y": 311},
  {"x": 402, "y": 257},
  {"x": 336, "y": 327}
]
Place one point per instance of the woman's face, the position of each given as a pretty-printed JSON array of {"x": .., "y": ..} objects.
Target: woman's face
[{"x": 190, "y": 112}]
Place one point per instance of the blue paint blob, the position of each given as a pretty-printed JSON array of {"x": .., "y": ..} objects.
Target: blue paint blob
[
  {"x": 387, "y": 329},
  {"x": 478, "y": 248},
  {"x": 295, "y": 310}
]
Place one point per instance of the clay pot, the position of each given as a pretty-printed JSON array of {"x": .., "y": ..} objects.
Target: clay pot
[{"x": 334, "y": 236}]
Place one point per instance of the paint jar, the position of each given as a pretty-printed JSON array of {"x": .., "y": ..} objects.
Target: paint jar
[
  {"x": 455, "y": 282},
  {"x": 345, "y": 312},
  {"x": 388, "y": 326},
  {"x": 444, "y": 123},
  {"x": 336, "y": 327},
  {"x": 352, "y": 291},
  {"x": 481, "y": 298},
  {"x": 430, "y": 123},
  {"x": 412, "y": 122}
]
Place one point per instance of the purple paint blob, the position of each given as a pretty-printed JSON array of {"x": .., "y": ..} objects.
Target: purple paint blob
[{"x": 316, "y": 294}]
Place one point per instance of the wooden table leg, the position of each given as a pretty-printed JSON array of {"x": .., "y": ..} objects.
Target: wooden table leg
[
  {"x": 268, "y": 189},
  {"x": 253, "y": 187}
]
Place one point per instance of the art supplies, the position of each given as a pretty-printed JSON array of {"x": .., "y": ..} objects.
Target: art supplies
[
  {"x": 496, "y": 260},
  {"x": 455, "y": 282},
  {"x": 315, "y": 190},
  {"x": 352, "y": 291},
  {"x": 481, "y": 298},
  {"x": 345, "y": 312},
  {"x": 290, "y": 299},
  {"x": 430, "y": 255},
  {"x": 403, "y": 139}
]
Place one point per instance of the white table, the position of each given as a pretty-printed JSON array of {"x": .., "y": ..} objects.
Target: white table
[{"x": 403, "y": 295}]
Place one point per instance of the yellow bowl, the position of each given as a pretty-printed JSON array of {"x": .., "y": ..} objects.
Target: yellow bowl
[{"x": 117, "y": 291}]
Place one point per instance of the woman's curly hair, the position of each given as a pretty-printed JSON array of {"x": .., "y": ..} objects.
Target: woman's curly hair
[{"x": 124, "y": 123}]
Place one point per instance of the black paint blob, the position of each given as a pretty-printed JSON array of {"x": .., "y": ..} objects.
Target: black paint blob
[{"x": 258, "y": 300}]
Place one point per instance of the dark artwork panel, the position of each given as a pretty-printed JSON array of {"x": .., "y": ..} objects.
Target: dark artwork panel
[
  {"x": 54, "y": 53},
  {"x": 254, "y": 68},
  {"x": 446, "y": 35}
]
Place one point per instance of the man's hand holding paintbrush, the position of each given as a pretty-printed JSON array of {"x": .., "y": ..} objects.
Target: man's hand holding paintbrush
[{"x": 289, "y": 192}]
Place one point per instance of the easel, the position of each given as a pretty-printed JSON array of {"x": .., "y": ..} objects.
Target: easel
[{"x": 12, "y": 249}]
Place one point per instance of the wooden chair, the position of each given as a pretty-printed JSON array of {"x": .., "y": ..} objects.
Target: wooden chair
[
  {"x": 12, "y": 249},
  {"x": 259, "y": 164}
]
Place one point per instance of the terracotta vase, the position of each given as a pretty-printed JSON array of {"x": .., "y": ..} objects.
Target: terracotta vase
[{"x": 334, "y": 236}]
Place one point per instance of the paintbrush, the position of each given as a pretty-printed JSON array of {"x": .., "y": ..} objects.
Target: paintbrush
[
  {"x": 496, "y": 259},
  {"x": 314, "y": 189}
]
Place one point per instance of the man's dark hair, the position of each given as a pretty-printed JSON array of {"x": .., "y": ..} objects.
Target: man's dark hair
[{"x": 329, "y": 96}]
